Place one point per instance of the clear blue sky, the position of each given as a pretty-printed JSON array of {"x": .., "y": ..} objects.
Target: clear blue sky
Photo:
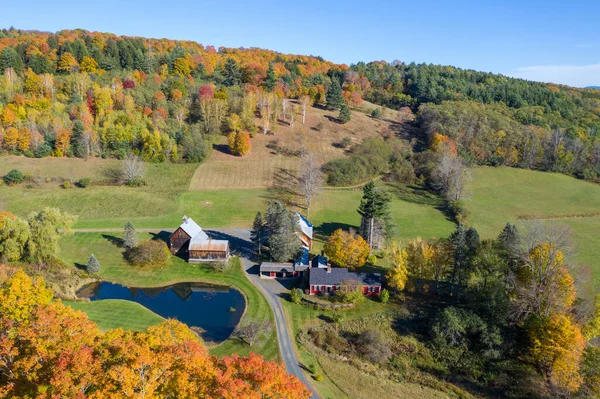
[{"x": 550, "y": 40}]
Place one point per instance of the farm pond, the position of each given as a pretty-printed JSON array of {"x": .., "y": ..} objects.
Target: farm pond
[{"x": 215, "y": 309}]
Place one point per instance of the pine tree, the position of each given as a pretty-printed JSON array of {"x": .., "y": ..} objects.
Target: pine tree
[
  {"x": 334, "y": 96},
  {"x": 281, "y": 230},
  {"x": 270, "y": 80},
  {"x": 510, "y": 242},
  {"x": 345, "y": 115},
  {"x": 374, "y": 209},
  {"x": 257, "y": 235},
  {"x": 461, "y": 251},
  {"x": 130, "y": 238},
  {"x": 232, "y": 72},
  {"x": 92, "y": 266}
]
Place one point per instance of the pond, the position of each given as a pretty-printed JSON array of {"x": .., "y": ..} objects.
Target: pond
[{"x": 215, "y": 309}]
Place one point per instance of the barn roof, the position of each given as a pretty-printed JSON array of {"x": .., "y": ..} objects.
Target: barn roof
[
  {"x": 305, "y": 226},
  {"x": 320, "y": 276},
  {"x": 192, "y": 229},
  {"x": 197, "y": 243}
]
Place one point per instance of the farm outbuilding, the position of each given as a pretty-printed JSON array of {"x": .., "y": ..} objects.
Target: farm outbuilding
[{"x": 191, "y": 241}]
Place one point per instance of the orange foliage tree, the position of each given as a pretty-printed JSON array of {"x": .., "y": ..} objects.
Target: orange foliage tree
[{"x": 62, "y": 143}]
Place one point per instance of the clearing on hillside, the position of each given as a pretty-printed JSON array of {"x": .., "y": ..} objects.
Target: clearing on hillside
[{"x": 276, "y": 154}]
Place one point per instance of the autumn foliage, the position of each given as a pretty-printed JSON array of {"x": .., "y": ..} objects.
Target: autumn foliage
[
  {"x": 48, "y": 350},
  {"x": 346, "y": 249}
]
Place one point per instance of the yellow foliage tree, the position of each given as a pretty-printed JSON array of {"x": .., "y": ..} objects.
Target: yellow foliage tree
[
  {"x": 20, "y": 295},
  {"x": 592, "y": 328},
  {"x": 347, "y": 250},
  {"x": 24, "y": 139},
  {"x": 88, "y": 64},
  {"x": 557, "y": 347},
  {"x": 419, "y": 261},
  {"x": 398, "y": 275},
  {"x": 67, "y": 63},
  {"x": 11, "y": 139},
  {"x": 62, "y": 143}
]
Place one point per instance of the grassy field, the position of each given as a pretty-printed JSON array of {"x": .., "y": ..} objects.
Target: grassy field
[
  {"x": 76, "y": 249},
  {"x": 115, "y": 313},
  {"x": 505, "y": 194}
]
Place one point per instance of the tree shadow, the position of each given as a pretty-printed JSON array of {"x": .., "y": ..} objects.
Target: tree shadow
[
  {"x": 80, "y": 266},
  {"x": 161, "y": 235},
  {"x": 113, "y": 240},
  {"x": 223, "y": 148},
  {"x": 284, "y": 188},
  {"x": 238, "y": 246},
  {"x": 324, "y": 230}
]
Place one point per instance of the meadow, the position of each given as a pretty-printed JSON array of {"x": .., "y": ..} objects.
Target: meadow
[{"x": 500, "y": 195}]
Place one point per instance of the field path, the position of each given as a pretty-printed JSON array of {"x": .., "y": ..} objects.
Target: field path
[{"x": 120, "y": 230}]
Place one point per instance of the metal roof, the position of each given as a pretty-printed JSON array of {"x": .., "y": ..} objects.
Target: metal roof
[
  {"x": 320, "y": 261},
  {"x": 282, "y": 267},
  {"x": 192, "y": 229},
  {"x": 199, "y": 244},
  {"x": 302, "y": 259},
  {"x": 319, "y": 276},
  {"x": 305, "y": 226}
]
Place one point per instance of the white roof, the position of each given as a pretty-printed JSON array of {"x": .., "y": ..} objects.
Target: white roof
[
  {"x": 305, "y": 226},
  {"x": 192, "y": 229}
]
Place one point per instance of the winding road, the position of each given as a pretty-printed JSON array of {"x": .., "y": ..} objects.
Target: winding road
[{"x": 271, "y": 290}]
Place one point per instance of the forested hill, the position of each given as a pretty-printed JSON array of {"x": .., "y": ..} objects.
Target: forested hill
[{"x": 135, "y": 88}]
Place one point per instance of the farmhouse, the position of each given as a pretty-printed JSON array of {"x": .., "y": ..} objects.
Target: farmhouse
[
  {"x": 190, "y": 240},
  {"x": 328, "y": 280}
]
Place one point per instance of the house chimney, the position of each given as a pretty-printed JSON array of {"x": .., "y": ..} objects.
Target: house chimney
[
  {"x": 322, "y": 252},
  {"x": 328, "y": 268},
  {"x": 185, "y": 219}
]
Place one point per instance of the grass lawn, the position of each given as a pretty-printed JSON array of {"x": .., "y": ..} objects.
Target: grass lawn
[
  {"x": 159, "y": 196},
  {"x": 76, "y": 249},
  {"x": 115, "y": 313},
  {"x": 505, "y": 194}
]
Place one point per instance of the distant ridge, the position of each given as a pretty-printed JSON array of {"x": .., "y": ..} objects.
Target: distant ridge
[{"x": 593, "y": 87}]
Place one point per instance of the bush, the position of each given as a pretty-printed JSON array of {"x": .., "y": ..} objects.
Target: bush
[
  {"x": 312, "y": 368},
  {"x": 219, "y": 267},
  {"x": 149, "y": 253},
  {"x": 297, "y": 295},
  {"x": 372, "y": 260},
  {"x": 376, "y": 113},
  {"x": 84, "y": 182},
  {"x": 318, "y": 378},
  {"x": 66, "y": 184},
  {"x": 345, "y": 142},
  {"x": 384, "y": 296},
  {"x": 15, "y": 176}
]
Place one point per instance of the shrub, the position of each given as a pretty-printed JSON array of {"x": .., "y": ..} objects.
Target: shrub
[
  {"x": 372, "y": 259},
  {"x": 66, "y": 184},
  {"x": 345, "y": 142},
  {"x": 312, "y": 368},
  {"x": 15, "y": 176},
  {"x": 297, "y": 295},
  {"x": 384, "y": 296},
  {"x": 376, "y": 113},
  {"x": 84, "y": 182},
  {"x": 93, "y": 265},
  {"x": 149, "y": 253},
  {"x": 219, "y": 266},
  {"x": 318, "y": 378}
]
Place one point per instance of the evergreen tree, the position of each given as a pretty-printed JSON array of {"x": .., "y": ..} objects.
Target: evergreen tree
[
  {"x": 130, "y": 237},
  {"x": 93, "y": 265},
  {"x": 257, "y": 236},
  {"x": 375, "y": 213},
  {"x": 232, "y": 73},
  {"x": 345, "y": 115},
  {"x": 461, "y": 252},
  {"x": 281, "y": 229},
  {"x": 9, "y": 58},
  {"x": 270, "y": 80},
  {"x": 334, "y": 96},
  {"x": 509, "y": 241}
]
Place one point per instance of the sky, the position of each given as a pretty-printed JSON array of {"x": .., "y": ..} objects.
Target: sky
[{"x": 550, "y": 41}]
